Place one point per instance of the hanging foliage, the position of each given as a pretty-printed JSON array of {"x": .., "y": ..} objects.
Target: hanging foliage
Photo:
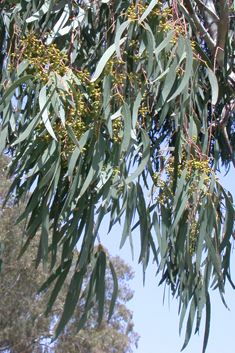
[{"x": 104, "y": 100}]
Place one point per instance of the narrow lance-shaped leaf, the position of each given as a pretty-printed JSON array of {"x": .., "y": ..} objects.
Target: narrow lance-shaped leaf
[
  {"x": 71, "y": 301},
  {"x": 144, "y": 158},
  {"x": 150, "y": 44},
  {"x": 188, "y": 70},
  {"x": 115, "y": 290},
  {"x": 136, "y": 109},
  {"x": 43, "y": 103},
  {"x": 165, "y": 42},
  {"x": 150, "y": 7},
  {"x": 101, "y": 292},
  {"x": 41, "y": 12},
  {"x": 214, "y": 85},
  {"x": 119, "y": 33},
  {"x": 87, "y": 237},
  {"x": 104, "y": 59},
  {"x": 14, "y": 85},
  {"x": 45, "y": 234},
  {"x": 208, "y": 319},
  {"x": 190, "y": 323},
  {"x": 141, "y": 207},
  {"x": 127, "y": 127},
  {"x": 60, "y": 281}
]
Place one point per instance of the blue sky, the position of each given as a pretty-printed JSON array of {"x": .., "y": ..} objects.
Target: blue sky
[{"x": 158, "y": 324}]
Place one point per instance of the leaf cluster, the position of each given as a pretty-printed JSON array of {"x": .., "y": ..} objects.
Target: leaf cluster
[
  {"x": 23, "y": 325},
  {"x": 101, "y": 102}
]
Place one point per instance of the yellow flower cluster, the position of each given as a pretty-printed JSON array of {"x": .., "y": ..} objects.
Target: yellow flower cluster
[
  {"x": 42, "y": 59},
  {"x": 194, "y": 232},
  {"x": 116, "y": 125},
  {"x": 134, "y": 12},
  {"x": 46, "y": 61},
  {"x": 198, "y": 167}
]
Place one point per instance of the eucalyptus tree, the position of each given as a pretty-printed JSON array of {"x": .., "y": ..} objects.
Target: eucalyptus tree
[{"x": 105, "y": 102}]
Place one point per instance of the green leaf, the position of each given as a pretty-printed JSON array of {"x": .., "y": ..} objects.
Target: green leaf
[
  {"x": 101, "y": 292},
  {"x": 107, "y": 85},
  {"x": 179, "y": 210},
  {"x": 215, "y": 257},
  {"x": 180, "y": 187},
  {"x": 104, "y": 59},
  {"x": 150, "y": 7},
  {"x": 58, "y": 27},
  {"x": 45, "y": 234},
  {"x": 214, "y": 86},
  {"x": 28, "y": 131},
  {"x": 80, "y": 144},
  {"x": 136, "y": 109},
  {"x": 144, "y": 159},
  {"x": 130, "y": 207},
  {"x": 48, "y": 282},
  {"x": 16, "y": 84},
  {"x": 150, "y": 44},
  {"x": 75, "y": 97},
  {"x": 200, "y": 239},
  {"x": 40, "y": 13},
  {"x": 119, "y": 33},
  {"x": 165, "y": 42},
  {"x": 43, "y": 103},
  {"x": 127, "y": 127},
  {"x": 82, "y": 321},
  {"x": 48, "y": 154},
  {"x": 141, "y": 207},
  {"x": 48, "y": 176},
  {"x": 62, "y": 276},
  {"x": 115, "y": 290},
  {"x": 71, "y": 301},
  {"x": 207, "y": 324},
  {"x": 190, "y": 323},
  {"x": 229, "y": 221},
  {"x": 117, "y": 114},
  {"x": 188, "y": 70},
  {"x": 168, "y": 84},
  {"x": 22, "y": 67},
  {"x": 203, "y": 55},
  {"x": 87, "y": 240}
]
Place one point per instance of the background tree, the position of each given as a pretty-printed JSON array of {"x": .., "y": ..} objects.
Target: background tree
[
  {"x": 23, "y": 325},
  {"x": 103, "y": 100}
]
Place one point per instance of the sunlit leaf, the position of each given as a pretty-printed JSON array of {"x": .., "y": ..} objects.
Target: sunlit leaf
[
  {"x": 214, "y": 86},
  {"x": 104, "y": 59}
]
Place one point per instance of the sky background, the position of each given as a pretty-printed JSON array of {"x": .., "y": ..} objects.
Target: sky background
[{"x": 158, "y": 324}]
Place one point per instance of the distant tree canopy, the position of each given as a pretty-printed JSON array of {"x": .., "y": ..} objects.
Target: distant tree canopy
[
  {"x": 103, "y": 103},
  {"x": 23, "y": 325}
]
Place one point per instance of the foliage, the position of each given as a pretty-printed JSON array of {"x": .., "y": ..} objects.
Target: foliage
[
  {"x": 23, "y": 325},
  {"x": 102, "y": 100}
]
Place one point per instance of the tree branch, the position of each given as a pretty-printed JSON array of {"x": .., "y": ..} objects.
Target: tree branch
[
  {"x": 228, "y": 145},
  {"x": 222, "y": 31},
  {"x": 226, "y": 112},
  {"x": 201, "y": 29},
  {"x": 228, "y": 109},
  {"x": 204, "y": 7},
  {"x": 209, "y": 19}
]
